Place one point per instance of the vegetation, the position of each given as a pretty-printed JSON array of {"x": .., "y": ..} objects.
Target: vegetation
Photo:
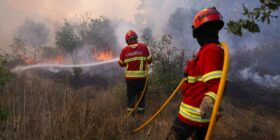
[
  {"x": 5, "y": 76},
  {"x": 168, "y": 63},
  {"x": 33, "y": 34},
  {"x": 67, "y": 39},
  {"x": 264, "y": 13},
  {"x": 36, "y": 106},
  {"x": 47, "y": 109},
  {"x": 98, "y": 33}
]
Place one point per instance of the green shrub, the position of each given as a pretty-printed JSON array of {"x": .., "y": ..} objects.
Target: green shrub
[
  {"x": 5, "y": 75},
  {"x": 168, "y": 63}
]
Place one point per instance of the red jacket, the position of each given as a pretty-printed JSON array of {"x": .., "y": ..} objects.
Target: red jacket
[
  {"x": 203, "y": 73},
  {"x": 135, "y": 57}
]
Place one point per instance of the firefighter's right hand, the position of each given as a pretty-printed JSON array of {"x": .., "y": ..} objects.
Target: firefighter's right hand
[{"x": 206, "y": 107}]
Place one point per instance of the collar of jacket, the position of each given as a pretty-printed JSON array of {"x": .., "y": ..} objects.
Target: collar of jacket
[
  {"x": 133, "y": 45},
  {"x": 208, "y": 44}
]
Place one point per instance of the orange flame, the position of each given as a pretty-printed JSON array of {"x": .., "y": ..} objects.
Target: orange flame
[
  {"x": 28, "y": 61},
  {"x": 103, "y": 55},
  {"x": 59, "y": 59}
]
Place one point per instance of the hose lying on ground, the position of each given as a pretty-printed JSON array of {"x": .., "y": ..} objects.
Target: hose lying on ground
[{"x": 161, "y": 108}]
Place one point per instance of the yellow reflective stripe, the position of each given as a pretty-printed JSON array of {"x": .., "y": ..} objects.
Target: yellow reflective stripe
[
  {"x": 134, "y": 59},
  {"x": 211, "y": 94},
  {"x": 191, "y": 109},
  {"x": 212, "y": 75},
  {"x": 135, "y": 74},
  {"x": 120, "y": 61},
  {"x": 192, "y": 79},
  {"x": 193, "y": 117},
  {"x": 141, "y": 64}
]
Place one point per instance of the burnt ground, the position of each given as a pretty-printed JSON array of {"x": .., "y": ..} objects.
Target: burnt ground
[{"x": 247, "y": 95}]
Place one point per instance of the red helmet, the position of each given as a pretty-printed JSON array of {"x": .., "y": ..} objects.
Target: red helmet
[
  {"x": 208, "y": 16},
  {"x": 131, "y": 36}
]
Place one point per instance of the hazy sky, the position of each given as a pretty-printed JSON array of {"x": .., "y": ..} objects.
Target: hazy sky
[{"x": 14, "y": 12}]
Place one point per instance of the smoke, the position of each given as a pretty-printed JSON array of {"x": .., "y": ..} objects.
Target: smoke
[
  {"x": 34, "y": 33},
  {"x": 157, "y": 14},
  {"x": 266, "y": 80},
  {"x": 177, "y": 21},
  {"x": 162, "y": 17},
  {"x": 14, "y": 12}
]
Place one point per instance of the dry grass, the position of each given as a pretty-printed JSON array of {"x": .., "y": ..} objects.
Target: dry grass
[{"x": 43, "y": 109}]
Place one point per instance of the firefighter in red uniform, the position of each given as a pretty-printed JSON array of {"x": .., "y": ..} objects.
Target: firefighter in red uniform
[
  {"x": 135, "y": 57},
  {"x": 203, "y": 73}
]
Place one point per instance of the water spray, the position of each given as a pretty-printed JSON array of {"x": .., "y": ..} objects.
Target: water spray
[{"x": 24, "y": 68}]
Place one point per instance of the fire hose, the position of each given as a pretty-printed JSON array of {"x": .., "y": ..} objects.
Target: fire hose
[
  {"x": 217, "y": 102},
  {"x": 220, "y": 91}
]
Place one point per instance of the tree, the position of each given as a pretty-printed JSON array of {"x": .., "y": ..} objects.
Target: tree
[
  {"x": 18, "y": 47},
  {"x": 98, "y": 32},
  {"x": 168, "y": 62},
  {"x": 34, "y": 34},
  {"x": 67, "y": 39},
  {"x": 263, "y": 14},
  {"x": 147, "y": 35}
]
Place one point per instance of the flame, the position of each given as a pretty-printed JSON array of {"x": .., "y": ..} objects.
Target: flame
[
  {"x": 59, "y": 59},
  {"x": 22, "y": 55},
  {"x": 103, "y": 55},
  {"x": 28, "y": 60}
]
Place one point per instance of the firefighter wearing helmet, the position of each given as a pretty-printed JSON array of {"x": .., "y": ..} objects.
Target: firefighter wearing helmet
[
  {"x": 203, "y": 73},
  {"x": 135, "y": 57}
]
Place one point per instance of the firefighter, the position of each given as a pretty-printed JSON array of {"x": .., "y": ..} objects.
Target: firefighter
[
  {"x": 135, "y": 57},
  {"x": 203, "y": 73}
]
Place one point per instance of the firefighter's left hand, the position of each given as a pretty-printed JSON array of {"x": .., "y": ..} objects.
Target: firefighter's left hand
[{"x": 206, "y": 107}]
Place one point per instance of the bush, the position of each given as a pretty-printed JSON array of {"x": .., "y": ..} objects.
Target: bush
[
  {"x": 168, "y": 63},
  {"x": 5, "y": 75}
]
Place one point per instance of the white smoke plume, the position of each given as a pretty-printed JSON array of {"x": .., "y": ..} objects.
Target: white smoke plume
[
  {"x": 163, "y": 17},
  {"x": 266, "y": 80}
]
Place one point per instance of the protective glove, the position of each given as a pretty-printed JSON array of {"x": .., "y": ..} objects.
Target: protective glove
[{"x": 206, "y": 107}]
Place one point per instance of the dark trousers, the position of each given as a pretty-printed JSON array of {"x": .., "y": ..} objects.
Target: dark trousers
[
  {"x": 182, "y": 131},
  {"x": 134, "y": 90}
]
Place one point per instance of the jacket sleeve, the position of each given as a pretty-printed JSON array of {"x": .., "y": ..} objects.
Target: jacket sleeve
[
  {"x": 121, "y": 59},
  {"x": 212, "y": 70}
]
